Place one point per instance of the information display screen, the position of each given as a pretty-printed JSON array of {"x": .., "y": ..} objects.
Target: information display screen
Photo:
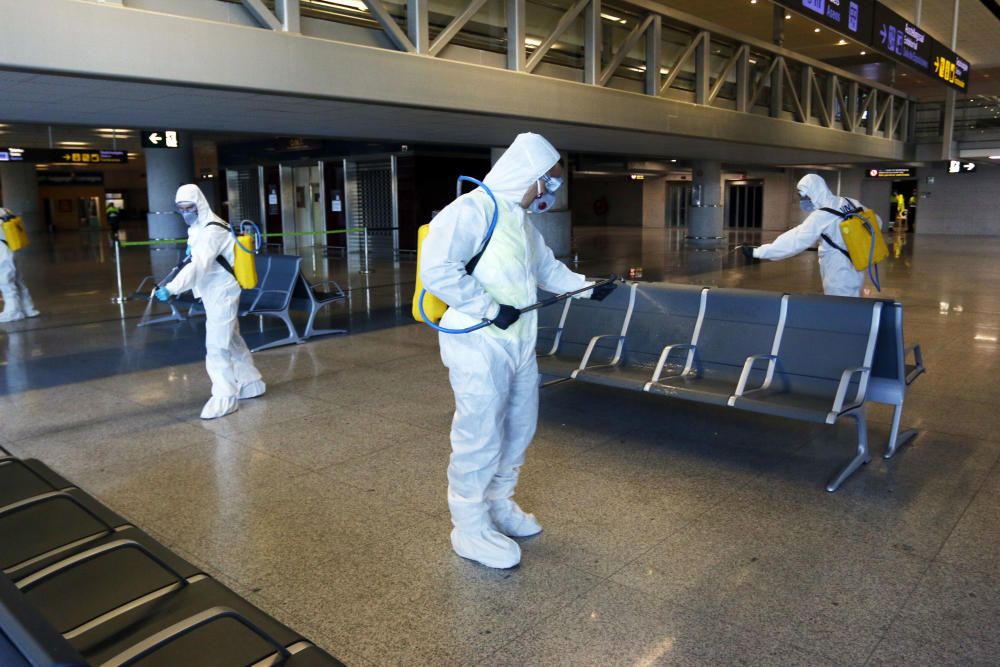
[
  {"x": 902, "y": 40},
  {"x": 848, "y": 17},
  {"x": 949, "y": 67}
]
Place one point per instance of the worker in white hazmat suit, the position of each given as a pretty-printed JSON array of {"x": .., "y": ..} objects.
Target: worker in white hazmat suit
[
  {"x": 493, "y": 371},
  {"x": 17, "y": 303},
  {"x": 840, "y": 278},
  {"x": 228, "y": 360}
]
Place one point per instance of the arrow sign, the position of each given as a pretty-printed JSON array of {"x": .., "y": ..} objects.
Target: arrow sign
[
  {"x": 160, "y": 138},
  {"x": 969, "y": 166}
]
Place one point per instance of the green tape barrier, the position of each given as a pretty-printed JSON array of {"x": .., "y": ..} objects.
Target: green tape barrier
[{"x": 126, "y": 244}]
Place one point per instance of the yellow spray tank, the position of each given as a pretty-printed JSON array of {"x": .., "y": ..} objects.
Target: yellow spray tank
[
  {"x": 429, "y": 309},
  {"x": 247, "y": 245},
  {"x": 433, "y": 307},
  {"x": 13, "y": 231}
]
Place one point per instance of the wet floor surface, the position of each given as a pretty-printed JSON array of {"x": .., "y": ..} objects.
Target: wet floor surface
[{"x": 674, "y": 533}]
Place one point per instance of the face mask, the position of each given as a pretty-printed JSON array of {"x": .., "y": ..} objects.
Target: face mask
[
  {"x": 542, "y": 203},
  {"x": 552, "y": 183},
  {"x": 807, "y": 205},
  {"x": 190, "y": 215}
]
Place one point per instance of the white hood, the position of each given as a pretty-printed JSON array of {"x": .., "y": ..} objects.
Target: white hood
[
  {"x": 814, "y": 187},
  {"x": 191, "y": 193},
  {"x": 526, "y": 160}
]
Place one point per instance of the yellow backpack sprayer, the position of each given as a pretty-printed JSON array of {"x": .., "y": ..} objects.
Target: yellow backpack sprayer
[
  {"x": 428, "y": 309},
  {"x": 14, "y": 235},
  {"x": 862, "y": 235}
]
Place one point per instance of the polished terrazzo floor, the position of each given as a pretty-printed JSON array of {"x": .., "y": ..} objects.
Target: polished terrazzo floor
[{"x": 674, "y": 534}]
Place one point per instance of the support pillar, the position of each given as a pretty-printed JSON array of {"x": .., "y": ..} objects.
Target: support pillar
[
  {"x": 19, "y": 188},
  {"x": 654, "y": 203},
  {"x": 705, "y": 217},
  {"x": 166, "y": 170}
]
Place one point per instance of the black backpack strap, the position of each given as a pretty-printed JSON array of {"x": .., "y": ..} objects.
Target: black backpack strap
[
  {"x": 223, "y": 262},
  {"x": 842, "y": 215}
]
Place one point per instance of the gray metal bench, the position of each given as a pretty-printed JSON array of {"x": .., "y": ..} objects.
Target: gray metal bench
[
  {"x": 281, "y": 288},
  {"x": 820, "y": 370},
  {"x": 892, "y": 374},
  {"x": 663, "y": 317},
  {"x": 587, "y": 327},
  {"x": 736, "y": 325}
]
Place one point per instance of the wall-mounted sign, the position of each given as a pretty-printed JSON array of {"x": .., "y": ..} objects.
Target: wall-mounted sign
[
  {"x": 852, "y": 18},
  {"x": 959, "y": 167},
  {"x": 949, "y": 67},
  {"x": 892, "y": 172},
  {"x": 160, "y": 139},
  {"x": 58, "y": 156},
  {"x": 902, "y": 40}
]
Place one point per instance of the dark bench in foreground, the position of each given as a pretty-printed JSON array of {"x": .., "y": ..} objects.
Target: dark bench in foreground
[
  {"x": 81, "y": 586},
  {"x": 806, "y": 357}
]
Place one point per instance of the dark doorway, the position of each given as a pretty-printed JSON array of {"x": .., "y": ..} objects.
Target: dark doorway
[
  {"x": 908, "y": 189},
  {"x": 744, "y": 204}
]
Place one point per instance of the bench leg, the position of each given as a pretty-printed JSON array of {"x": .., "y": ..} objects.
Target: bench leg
[
  {"x": 310, "y": 331},
  {"x": 175, "y": 316},
  {"x": 292, "y": 337},
  {"x": 897, "y": 439},
  {"x": 861, "y": 458}
]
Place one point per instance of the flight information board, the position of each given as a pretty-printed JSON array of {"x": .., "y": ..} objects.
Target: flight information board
[
  {"x": 900, "y": 39},
  {"x": 848, "y": 17}
]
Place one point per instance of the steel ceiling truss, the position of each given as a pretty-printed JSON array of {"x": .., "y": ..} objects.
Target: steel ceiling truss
[{"x": 756, "y": 78}]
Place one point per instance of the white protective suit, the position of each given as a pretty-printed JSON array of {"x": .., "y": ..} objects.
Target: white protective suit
[
  {"x": 228, "y": 360},
  {"x": 840, "y": 278},
  {"x": 493, "y": 372},
  {"x": 17, "y": 303}
]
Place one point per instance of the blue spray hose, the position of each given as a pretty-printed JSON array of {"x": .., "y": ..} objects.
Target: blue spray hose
[
  {"x": 482, "y": 246},
  {"x": 256, "y": 237}
]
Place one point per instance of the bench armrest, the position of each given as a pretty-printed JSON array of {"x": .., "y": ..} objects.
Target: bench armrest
[
  {"x": 845, "y": 380},
  {"x": 918, "y": 359},
  {"x": 157, "y": 641},
  {"x": 748, "y": 366},
  {"x": 667, "y": 351},
  {"x": 52, "y": 495},
  {"x": 96, "y": 552},
  {"x": 340, "y": 290},
  {"x": 593, "y": 343},
  {"x": 260, "y": 294},
  {"x": 142, "y": 285}
]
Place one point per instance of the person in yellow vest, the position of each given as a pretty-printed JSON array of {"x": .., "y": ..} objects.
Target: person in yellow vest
[
  {"x": 911, "y": 211},
  {"x": 493, "y": 372},
  {"x": 17, "y": 303}
]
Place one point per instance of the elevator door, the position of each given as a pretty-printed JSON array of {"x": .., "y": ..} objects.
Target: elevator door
[
  {"x": 745, "y": 204},
  {"x": 678, "y": 198}
]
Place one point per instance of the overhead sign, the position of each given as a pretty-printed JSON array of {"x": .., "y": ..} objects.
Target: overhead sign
[
  {"x": 11, "y": 154},
  {"x": 959, "y": 167},
  {"x": 892, "y": 172},
  {"x": 59, "y": 156},
  {"x": 160, "y": 139},
  {"x": 900, "y": 39},
  {"x": 949, "y": 67},
  {"x": 852, "y": 18}
]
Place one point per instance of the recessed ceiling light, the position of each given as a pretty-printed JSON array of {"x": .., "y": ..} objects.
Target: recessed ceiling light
[
  {"x": 995, "y": 157},
  {"x": 842, "y": 42},
  {"x": 73, "y": 143},
  {"x": 815, "y": 29},
  {"x": 864, "y": 53},
  {"x": 788, "y": 17},
  {"x": 753, "y": 2},
  {"x": 532, "y": 41}
]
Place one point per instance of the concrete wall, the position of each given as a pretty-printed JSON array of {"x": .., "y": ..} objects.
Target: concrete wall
[{"x": 964, "y": 204}]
